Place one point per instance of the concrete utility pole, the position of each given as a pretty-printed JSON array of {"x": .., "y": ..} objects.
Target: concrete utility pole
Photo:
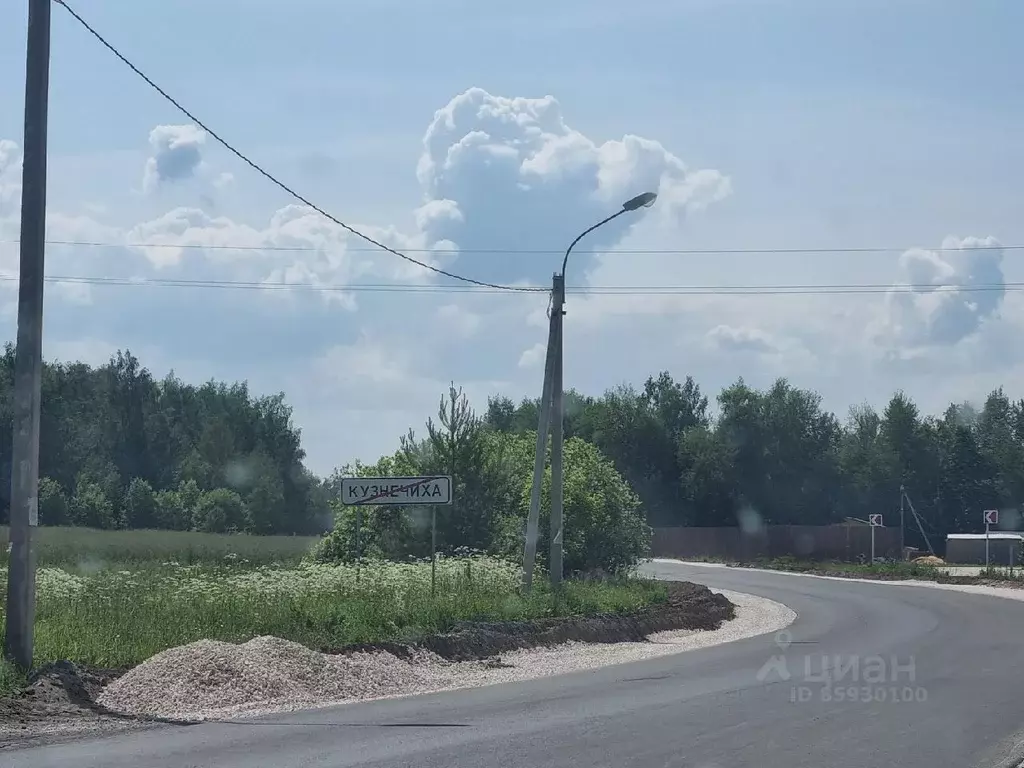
[
  {"x": 28, "y": 363},
  {"x": 551, "y": 414},
  {"x": 541, "y": 448},
  {"x": 557, "y": 417}
]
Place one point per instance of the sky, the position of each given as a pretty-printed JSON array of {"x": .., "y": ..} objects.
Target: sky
[{"x": 482, "y": 140}]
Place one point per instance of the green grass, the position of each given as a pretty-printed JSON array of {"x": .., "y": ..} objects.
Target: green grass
[
  {"x": 86, "y": 549},
  {"x": 116, "y": 618},
  {"x": 895, "y": 571},
  {"x": 12, "y": 679}
]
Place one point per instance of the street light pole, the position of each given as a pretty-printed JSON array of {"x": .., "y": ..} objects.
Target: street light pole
[
  {"x": 28, "y": 360},
  {"x": 540, "y": 452},
  {"x": 646, "y": 200},
  {"x": 557, "y": 312}
]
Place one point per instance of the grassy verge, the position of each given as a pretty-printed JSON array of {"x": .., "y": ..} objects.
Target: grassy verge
[
  {"x": 11, "y": 678},
  {"x": 889, "y": 571},
  {"x": 88, "y": 549},
  {"x": 118, "y": 618}
]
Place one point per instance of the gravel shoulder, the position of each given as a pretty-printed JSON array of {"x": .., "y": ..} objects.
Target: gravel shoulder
[
  {"x": 215, "y": 680},
  {"x": 1011, "y": 590}
]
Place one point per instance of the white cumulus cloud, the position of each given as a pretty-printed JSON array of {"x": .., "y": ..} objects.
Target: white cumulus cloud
[
  {"x": 177, "y": 154},
  {"x": 946, "y": 295}
]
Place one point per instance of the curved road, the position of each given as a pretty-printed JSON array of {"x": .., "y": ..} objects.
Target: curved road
[{"x": 720, "y": 707}]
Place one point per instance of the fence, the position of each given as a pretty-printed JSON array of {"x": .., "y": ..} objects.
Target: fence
[{"x": 807, "y": 542}]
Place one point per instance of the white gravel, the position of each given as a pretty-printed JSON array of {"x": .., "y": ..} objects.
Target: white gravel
[{"x": 211, "y": 679}]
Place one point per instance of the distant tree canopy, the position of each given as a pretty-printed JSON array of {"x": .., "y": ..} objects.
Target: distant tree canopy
[
  {"x": 120, "y": 449},
  {"x": 777, "y": 453}
]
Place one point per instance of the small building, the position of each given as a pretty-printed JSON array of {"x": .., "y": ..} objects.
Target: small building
[{"x": 969, "y": 548}]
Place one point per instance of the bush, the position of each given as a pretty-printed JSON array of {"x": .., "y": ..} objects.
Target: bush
[
  {"x": 218, "y": 511},
  {"x": 385, "y": 533},
  {"x": 90, "y": 506},
  {"x": 604, "y": 525}
]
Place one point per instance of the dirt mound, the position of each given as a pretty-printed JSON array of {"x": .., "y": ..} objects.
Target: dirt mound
[
  {"x": 61, "y": 689},
  {"x": 689, "y": 606},
  {"x": 928, "y": 560}
]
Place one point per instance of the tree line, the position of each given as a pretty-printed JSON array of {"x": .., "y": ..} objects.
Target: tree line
[
  {"x": 119, "y": 448},
  {"x": 777, "y": 455}
]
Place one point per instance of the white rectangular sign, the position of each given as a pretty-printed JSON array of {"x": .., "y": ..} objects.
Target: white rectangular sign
[
  {"x": 396, "y": 491},
  {"x": 991, "y": 517},
  {"x": 875, "y": 520}
]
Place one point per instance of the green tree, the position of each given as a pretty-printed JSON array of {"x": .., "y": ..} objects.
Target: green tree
[
  {"x": 603, "y": 520},
  {"x": 54, "y": 508},
  {"x": 139, "y": 508},
  {"x": 90, "y": 506},
  {"x": 219, "y": 511}
]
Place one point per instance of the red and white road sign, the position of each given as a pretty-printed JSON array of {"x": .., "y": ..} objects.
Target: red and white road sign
[
  {"x": 991, "y": 516},
  {"x": 875, "y": 520}
]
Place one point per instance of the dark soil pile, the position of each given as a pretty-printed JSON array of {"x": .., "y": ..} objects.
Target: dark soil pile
[
  {"x": 689, "y": 606},
  {"x": 61, "y": 689}
]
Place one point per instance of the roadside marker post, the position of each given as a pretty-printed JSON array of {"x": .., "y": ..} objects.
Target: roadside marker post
[
  {"x": 875, "y": 521},
  {"x": 428, "y": 490},
  {"x": 433, "y": 551},
  {"x": 991, "y": 517}
]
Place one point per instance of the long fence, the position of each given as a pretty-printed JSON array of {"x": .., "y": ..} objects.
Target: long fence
[{"x": 807, "y": 542}]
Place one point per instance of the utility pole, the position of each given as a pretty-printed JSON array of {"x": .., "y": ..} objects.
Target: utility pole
[
  {"x": 28, "y": 362},
  {"x": 903, "y": 548},
  {"x": 541, "y": 449},
  {"x": 551, "y": 400},
  {"x": 557, "y": 416}
]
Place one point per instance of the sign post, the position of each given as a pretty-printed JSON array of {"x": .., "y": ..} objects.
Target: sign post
[
  {"x": 875, "y": 521},
  {"x": 398, "y": 492},
  {"x": 359, "y": 551},
  {"x": 991, "y": 517},
  {"x": 433, "y": 551}
]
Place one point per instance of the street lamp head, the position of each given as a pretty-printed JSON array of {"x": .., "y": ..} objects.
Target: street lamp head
[{"x": 646, "y": 200}]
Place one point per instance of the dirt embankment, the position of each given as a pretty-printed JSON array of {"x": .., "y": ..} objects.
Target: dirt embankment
[{"x": 61, "y": 698}]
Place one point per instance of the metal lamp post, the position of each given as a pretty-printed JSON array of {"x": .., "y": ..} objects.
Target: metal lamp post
[{"x": 551, "y": 405}]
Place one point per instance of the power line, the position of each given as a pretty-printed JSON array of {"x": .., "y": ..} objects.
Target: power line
[
  {"x": 524, "y": 251},
  {"x": 584, "y": 290},
  {"x": 270, "y": 177}
]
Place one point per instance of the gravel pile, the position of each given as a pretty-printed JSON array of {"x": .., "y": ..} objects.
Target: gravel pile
[{"x": 210, "y": 679}]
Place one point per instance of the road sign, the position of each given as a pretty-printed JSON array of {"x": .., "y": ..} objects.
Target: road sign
[
  {"x": 875, "y": 521},
  {"x": 396, "y": 491},
  {"x": 991, "y": 517}
]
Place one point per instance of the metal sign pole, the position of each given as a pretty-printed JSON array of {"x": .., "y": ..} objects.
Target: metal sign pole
[
  {"x": 433, "y": 551},
  {"x": 986, "y": 541},
  {"x": 359, "y": 551},
  {"x": 873, "y": 545}
]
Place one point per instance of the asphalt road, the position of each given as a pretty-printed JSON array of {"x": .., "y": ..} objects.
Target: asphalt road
[{"x": 961, "y": 706}]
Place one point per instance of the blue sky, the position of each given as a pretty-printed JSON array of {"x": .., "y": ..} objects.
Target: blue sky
[{"x": 766, "y": 124}]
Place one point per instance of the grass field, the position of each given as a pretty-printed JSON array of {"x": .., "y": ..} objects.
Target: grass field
[
  {"x": 86, "y": 549},
  {"x": 115, "y": 598}
]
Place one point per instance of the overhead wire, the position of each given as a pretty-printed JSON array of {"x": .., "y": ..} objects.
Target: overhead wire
[
  {"x": 585, "y": 290},
  {"x": 473, "y": 285},
  {"x": 523, "y": 251},
  {"x": 273, "y": 179}
]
